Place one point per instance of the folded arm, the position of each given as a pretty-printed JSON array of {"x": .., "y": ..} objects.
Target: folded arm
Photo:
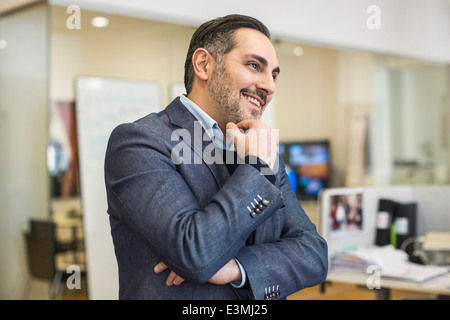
[{"x": 147, "y": 192}]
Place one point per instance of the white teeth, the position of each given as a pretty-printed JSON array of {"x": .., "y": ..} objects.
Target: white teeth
[{"x": 253, "y": 100}]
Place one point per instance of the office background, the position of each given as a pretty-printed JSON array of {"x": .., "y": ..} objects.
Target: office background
[{"x": 341, "y": 81}]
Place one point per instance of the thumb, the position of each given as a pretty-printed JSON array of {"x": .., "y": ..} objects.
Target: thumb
[
  {"x": 231, "y": 126},
  {"x": 231, "y": 130},
  {"x": 239, "y": 138}
]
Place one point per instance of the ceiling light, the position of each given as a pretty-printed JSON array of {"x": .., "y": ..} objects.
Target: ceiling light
[
  {"x": 298, "y": 51},
  {"x": 100, "y": 22}
]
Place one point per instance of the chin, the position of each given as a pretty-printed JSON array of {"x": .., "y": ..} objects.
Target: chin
[
  {"x": 252, "y": 114},
  {"x": 255, "y": 115}
]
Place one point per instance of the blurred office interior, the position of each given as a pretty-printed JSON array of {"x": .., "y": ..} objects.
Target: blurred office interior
[{"x": 377, "y": 94}]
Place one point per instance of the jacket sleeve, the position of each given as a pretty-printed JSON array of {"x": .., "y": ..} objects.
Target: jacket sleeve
[
  {"x": 298, "y": 259},
  {"x": 146, "y": 191}
]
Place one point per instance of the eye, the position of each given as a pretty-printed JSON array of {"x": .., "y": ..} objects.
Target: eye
[
  {"x": 254, "y": 65},
  {"x": 274, "y": 76}
]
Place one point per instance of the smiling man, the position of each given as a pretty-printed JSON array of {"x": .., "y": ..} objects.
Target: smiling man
[{"x": 202, "y": 229}]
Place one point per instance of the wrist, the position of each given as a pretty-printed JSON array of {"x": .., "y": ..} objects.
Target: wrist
[
  {"x": 243, "y": 278},
  {"x": 235, "y": 271}
]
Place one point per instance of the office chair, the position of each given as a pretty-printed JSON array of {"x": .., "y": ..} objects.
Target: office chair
[
  {"x": 48, "y": 228},
  {"x": 42, "y": 248}
]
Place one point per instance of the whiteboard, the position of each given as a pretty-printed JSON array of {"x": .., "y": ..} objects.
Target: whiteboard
[{"x": 101, "y": 105}]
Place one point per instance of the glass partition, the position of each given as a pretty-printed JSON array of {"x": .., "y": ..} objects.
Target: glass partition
[
  {"x": 413, "y": 107},
  {"x": 24, "y": 182}
]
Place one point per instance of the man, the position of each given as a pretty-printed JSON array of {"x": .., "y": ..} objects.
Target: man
[{"x": 186, "y": 227}]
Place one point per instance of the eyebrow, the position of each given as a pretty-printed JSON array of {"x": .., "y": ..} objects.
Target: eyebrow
[{"x": 263, "y": 61}]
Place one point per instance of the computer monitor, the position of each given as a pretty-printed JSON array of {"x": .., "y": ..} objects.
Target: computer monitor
[{"x": 307, "y": 166}]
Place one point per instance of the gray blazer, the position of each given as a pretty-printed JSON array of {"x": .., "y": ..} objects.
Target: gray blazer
[{"x": 197, "y": 216}]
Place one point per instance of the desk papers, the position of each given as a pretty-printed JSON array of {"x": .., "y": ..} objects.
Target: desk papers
[{"x": 392, "y": 263}]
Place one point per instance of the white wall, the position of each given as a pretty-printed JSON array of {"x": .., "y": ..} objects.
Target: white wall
[
  {"x": 417, "y": 29},
  {"x": 128, "y": 48}
]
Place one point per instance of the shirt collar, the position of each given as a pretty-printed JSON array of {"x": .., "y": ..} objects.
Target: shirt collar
[{"x": 209, "y": 124}]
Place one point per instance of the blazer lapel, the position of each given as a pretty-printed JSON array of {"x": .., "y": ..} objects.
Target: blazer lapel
[{"x": 199, "y": 141}]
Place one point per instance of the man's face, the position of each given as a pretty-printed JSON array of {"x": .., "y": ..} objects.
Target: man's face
[{"x": 243, "y": 82}]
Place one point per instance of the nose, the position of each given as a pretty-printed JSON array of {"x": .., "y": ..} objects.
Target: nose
[{"x": 266, "y": 83}]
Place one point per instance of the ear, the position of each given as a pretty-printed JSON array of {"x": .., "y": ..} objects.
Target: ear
[{"x": 202, "y": 61}]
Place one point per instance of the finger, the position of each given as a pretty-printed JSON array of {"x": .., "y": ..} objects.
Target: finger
[
  {"x": 232, "y": 132},
  {"x": 251, "y": 123},
  {"x": 231, "y": 126},
  {"x": 178, "y": 280},
  {"x": 160, "y": 267},
  {"x": 171, "y": 278},
  {"x": 246, "y": 124}
]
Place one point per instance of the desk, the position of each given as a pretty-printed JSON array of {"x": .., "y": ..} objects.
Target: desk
[{"x": 439, "y": 285}]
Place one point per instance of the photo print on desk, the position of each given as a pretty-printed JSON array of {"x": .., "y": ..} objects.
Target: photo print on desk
[{"x": 346, "y": 213}]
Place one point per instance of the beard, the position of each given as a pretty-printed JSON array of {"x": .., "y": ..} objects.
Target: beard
[{"x": 222, "y": 91}]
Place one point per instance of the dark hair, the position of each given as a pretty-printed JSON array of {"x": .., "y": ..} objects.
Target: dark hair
[{"x": 217, "y": 36}]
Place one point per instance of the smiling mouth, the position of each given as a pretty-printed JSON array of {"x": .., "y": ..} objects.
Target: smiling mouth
[{"x": 255, "y": 99}]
